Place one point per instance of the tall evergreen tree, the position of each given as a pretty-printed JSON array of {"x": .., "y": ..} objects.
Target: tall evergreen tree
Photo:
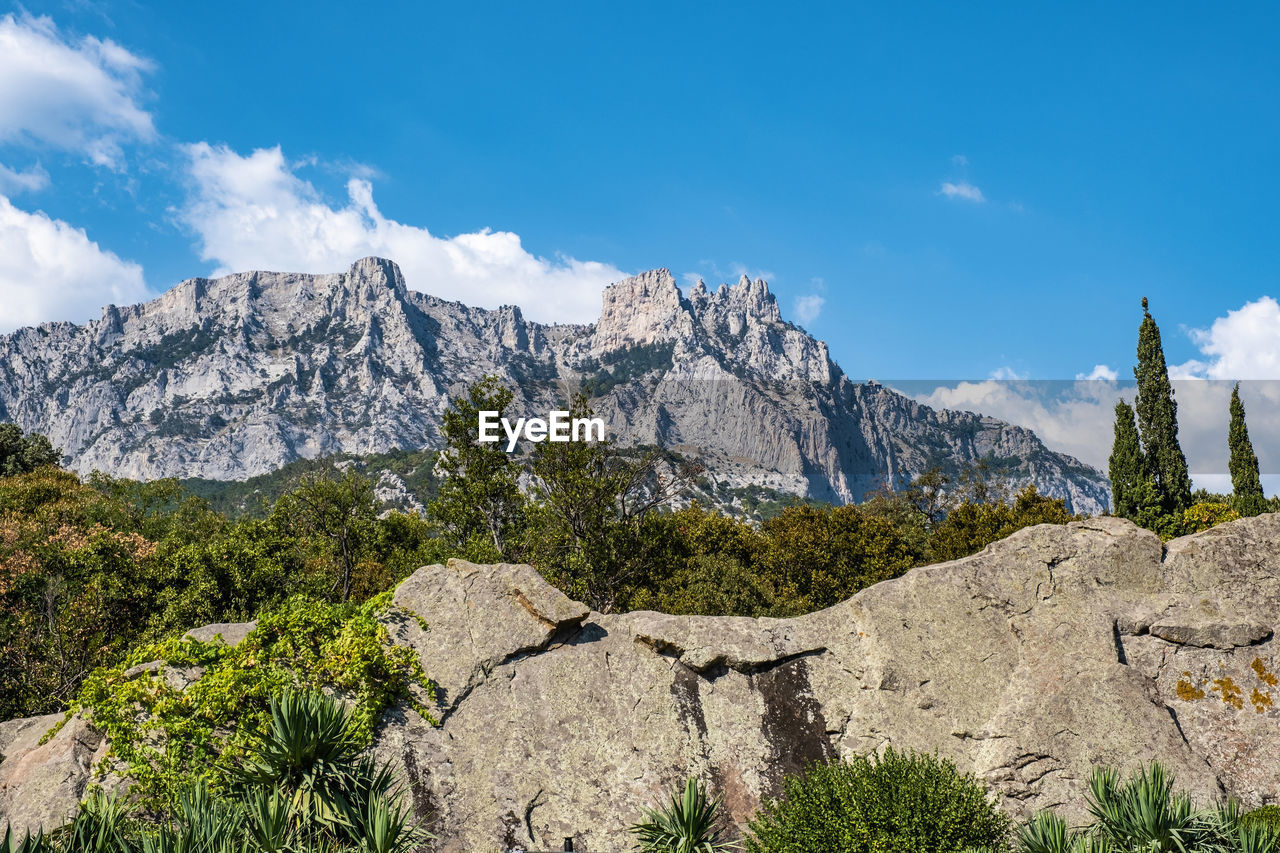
[
  {"x": 1158, "y": 420},
  {"x": 1246, "y": 485},
  {"x": 479, "y": 505},
  {"x": 1127, "y": 467}
]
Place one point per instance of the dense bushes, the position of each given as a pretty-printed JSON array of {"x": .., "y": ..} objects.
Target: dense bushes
[
  {"x": 302, "y": 785},
  {"x": 200, "y": 731},
  {"x": 90, "y": 571},
  {"x": 894, "y": 803}
]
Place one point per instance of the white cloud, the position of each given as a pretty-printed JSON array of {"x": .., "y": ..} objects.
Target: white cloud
[
  {"x": 1100, "y": 371},
  {"x": 808, "y": 308},
  {"x": 50, "y": 270},
  {"x": 254, "y": 212},
  {"x": 1245, "y": 344},
  {"x": 1006, "y": 373},
  {"x": 960, "y": 160},
  {"x": 32, "y": 180},
  {"x": 1078, "y": 418},
  {"x": 80, "y": 96},
  {"x": 962, "y": 190},
  {"x": 1070, "y": 417}
]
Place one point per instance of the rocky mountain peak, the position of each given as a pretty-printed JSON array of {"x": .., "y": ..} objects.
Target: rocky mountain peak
[
  {"x": 641, "y": 310},
  {"x": 751, "y": 298}
]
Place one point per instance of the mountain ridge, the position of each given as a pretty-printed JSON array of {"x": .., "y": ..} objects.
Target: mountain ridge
[{"x": 234, "y": 376}]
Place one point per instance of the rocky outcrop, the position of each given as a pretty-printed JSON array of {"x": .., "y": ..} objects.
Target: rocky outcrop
[
  {"x": 233, "y": 377},
  {"x": 1028, "y": 664},
  {"x": 1053, "y": 651}
]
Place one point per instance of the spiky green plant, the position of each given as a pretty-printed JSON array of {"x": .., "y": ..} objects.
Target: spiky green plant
[
  {"x": 101, "y": 826},
  {"x": 268, "y": 820},
  {"x": 204, "y": 825},
  {"x": 685, "y": 825},
  {"x": 311, "y": 754},
  {"x": 38, "y": 843},
  {"x": 1144, "y": 813}
]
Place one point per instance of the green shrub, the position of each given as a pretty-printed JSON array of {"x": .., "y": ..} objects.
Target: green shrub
[
  {"x": 897, "y": 803},
  {"x": 202, "y": 732},
  {"x": 1267, "y": 816},
  {"x": 303, "y": 787}
]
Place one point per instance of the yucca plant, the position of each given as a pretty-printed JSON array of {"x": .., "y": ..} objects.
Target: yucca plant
[
  {"x": 101, "y": 826},
  {"x": 389, "y": 828},
  {"x": 310, "y": 752},
  {"x": 38, "y": 843},
  {"x": 1144, "y": 813},
  {"x": 685, "y": 825},
  {"x": 308, "y": 787},
  {"x": 204, "y": 825},
  {"x": 268, "y": 820}
]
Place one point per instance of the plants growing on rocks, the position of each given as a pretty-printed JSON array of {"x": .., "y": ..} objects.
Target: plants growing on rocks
[
  {"x": 303, "y": 786},
  {"x": 1143, "y": 813},
  {"x": 687, "y": 824}
]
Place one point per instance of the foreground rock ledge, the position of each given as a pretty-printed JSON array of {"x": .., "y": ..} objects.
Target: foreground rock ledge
[{"x": 1052, "y": 651}]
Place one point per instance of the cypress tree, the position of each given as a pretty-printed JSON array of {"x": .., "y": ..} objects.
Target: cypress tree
[
  {"x": 1158, "y": 420},
  {"x": 1246, "y": 485},
  {"x": 1127, "y": 467}
]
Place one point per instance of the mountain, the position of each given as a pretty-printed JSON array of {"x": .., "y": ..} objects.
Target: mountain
[{"x": 236, "y": 376}]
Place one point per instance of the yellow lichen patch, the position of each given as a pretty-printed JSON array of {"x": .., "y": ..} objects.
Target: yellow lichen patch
[
  {"x": 1261, "y": 701},
  {"x": 1229, "y": 691},
  {"x": 1188, "y": 692},
  {"x": 1264, "y": 674}
]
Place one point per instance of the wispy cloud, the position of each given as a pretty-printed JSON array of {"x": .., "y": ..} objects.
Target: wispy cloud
[
  {"x": 807, "y": 308},
  {"x": 962, "y": 190},
  {"x": 959, "y": 160},
  {"x": 29, "y": 181},
  {"x": 82, "y": 96}
]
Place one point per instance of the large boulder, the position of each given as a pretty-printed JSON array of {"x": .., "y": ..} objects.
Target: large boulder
[{"x": 1051, "y": 652}]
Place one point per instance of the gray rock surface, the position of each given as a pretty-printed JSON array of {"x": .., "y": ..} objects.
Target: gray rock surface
[
  {"x": 1051, "y": 652},
  {"x": 1028, "y": 664},
  {"x": 41, "y": 784},
  {"x": 233, "y": 377},
  {"x": 230, "y": 633}
]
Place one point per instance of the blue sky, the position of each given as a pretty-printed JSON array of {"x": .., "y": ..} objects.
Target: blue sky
[{"x": 938, "y": 190}]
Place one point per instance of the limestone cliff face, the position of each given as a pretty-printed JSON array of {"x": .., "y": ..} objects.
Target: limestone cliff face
[
  {"x": 236, "y": 376},
  {"x": 1051, "y": 652}
]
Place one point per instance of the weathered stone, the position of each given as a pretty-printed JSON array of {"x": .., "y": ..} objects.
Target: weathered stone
[
  {"x": 1020, "y": 663},
  {"x": 41, "y": 784},
  {"x": 1028, "y": 664},
  {"x": 507, "y": 611},
  {"x": 1212, "y": 635},
  {"x": 230, "y": 633}
]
